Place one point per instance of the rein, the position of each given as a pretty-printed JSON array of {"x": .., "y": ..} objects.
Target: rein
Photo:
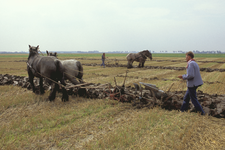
[{"x": 41, "y": 53}]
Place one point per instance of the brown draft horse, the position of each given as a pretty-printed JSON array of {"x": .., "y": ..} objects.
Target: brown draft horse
[{"x": 139, "y": 57}]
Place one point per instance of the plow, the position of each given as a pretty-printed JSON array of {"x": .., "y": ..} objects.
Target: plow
[
  {"x": 141, "y": 95},
  {"x": 143, "y": 92}
]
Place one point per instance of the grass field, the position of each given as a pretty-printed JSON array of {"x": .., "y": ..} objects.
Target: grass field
[{"x": 27, "y": 121}]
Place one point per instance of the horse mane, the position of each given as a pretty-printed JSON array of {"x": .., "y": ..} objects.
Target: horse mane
[
  {"x": 143, "y": 51},
  {"x": 127, "y": 55}
]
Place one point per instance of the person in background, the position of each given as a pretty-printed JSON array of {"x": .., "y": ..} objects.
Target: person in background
[
  {"x": 103, "y": 60},
  {"x": 194, "y": 80}
]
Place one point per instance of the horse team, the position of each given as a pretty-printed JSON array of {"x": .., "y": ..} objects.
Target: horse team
[{"x": 54, "y": 70}]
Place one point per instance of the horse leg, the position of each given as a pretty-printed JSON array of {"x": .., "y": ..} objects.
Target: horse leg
[
  {"x": 81, "y": 80},
  {"x": 31, "y": 79},
  {"x": 65, "y": 96},
  {"x": 132, "y": 63},
  {"x": 60, "y": 77},
  {"x": 73, "y": 80},
  {"x": 139, "y": 66},
  {"x": 129, "y": 64},
  {"x": 80, "y": 73},
  {"x": 52, "y": 95},
  {"x": 143, "y": 64},
  {"x": 41, "y": 86},
  {"x": 48, "y": 83}
]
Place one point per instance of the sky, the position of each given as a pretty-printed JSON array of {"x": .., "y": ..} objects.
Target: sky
[{"x": 112, "y": 25}]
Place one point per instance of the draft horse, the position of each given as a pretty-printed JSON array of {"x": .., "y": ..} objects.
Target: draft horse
[
  {"x": 73, "y": 69},
  {"x": 49, "y": 68},
  {"x": 139, "y": 57}
]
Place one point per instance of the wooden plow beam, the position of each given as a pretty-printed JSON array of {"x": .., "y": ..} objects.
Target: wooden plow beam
[
  {"x": 96, "y": 87},
  {"x": 79, "y": 85},
  {"x": 87, "y": 86}
]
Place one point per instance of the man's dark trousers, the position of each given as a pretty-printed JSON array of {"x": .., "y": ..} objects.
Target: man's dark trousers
[
  {"x": 103, "y": 63},
  {"x": 191, "y": 94}
]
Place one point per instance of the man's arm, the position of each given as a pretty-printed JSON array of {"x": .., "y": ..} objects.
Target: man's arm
[{"x": 190, "y": 72}]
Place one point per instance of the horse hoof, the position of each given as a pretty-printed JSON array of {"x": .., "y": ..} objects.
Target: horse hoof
[
  {"x": 129, "y": 66},
  {"x": 37, "y": 92},
  {"x": 50, "y": 98},
  {"x": 65, "y": 98}
]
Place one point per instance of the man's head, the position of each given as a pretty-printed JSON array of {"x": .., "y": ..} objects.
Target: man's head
[{"x": 189, "y": 55}]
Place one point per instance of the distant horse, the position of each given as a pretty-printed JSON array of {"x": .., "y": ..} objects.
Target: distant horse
[
  {"x": 49, "y": 68},
  {"x": 73, "y": 69},
  {"x": 139, "y": 57}
]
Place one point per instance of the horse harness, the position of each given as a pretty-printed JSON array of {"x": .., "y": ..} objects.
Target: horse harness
[{"x": 30, "y": 66}]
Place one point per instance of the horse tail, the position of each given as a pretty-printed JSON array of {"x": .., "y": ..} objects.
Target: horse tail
[{"x": 80, "y": 69}]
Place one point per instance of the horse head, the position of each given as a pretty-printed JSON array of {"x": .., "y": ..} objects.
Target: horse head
[
  {"x": 52, "y": 54},
  {"x": 148, "y": 54},
  {"x": 33, "y": 51}
]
